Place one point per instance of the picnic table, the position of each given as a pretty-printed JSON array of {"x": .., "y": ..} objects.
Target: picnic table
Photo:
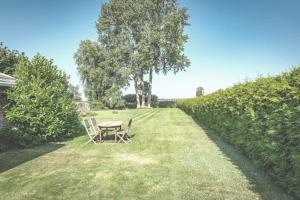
[{"x": 110, "y": 125}]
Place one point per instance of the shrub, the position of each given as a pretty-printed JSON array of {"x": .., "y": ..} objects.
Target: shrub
[
  {"x": 166, "y": 104},
  {"x": 262, "y": 119},
  {"x": 130, "y": 100},
  {"x": 40, "y": 107},
  {"x": 114, "y": 99}
]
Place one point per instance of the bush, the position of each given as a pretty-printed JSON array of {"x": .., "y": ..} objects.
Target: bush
[
  {"x": 40, "y": 107},
  {"x": 96, "y": 105},
  {"x": 166, "y": 104},
  {"x": 130, "y": 100},
  {"x": 260, "y": 118},
  {"x": 7, "y": 138}
]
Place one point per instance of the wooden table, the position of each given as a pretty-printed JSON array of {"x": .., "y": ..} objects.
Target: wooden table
[{"x": 110, "y": 125}]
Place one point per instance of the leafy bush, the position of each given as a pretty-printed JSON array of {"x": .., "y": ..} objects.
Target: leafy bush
[
  {"x": 7, "y": 138},
  {"x": 40, "y": 107},
  {"x": 96, "y": 105},
  {"x": 166, "y": 104},
  {"x": 130, "y": 100},
  {"x": 113, "y": 99},
  {"x": 262, "y": 119}
]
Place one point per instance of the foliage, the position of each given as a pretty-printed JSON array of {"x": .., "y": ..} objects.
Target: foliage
[
  {"x": 261, "y": 119},
  {"x": 100, "y": 70},
  {"x": 9, "y": 59},
  {"x": 114, "y": 99},
  {"x": 135, "y": 38},
  {"x": 96, "y": 105},
  {"x": 199, "y": 91},
  {"x": 40, "y": 107},
  {"x": 74, "y": 92},
  {"x": 130, "y": 100},
  {"x": 166, "y": 104},
  {"x": 7, "y": 138}
]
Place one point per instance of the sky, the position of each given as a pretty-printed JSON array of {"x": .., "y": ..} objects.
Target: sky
[{"x": 230, "y": 41}]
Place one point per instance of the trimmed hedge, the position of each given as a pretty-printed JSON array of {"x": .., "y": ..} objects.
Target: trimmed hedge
[{"x": 260, "y": 118}]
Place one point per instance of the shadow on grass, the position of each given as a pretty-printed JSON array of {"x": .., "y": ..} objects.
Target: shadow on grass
[
  {"x": 260, "y": 182},
  {"x": 13, "y": 158},
  {"x": 110, "y": 137}
]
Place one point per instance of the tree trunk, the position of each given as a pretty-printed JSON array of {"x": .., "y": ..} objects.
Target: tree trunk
[
  {"x": 142, "y": 92},
  {"x": 137, "y": 93},
  {"x": 150, "y": 88}
]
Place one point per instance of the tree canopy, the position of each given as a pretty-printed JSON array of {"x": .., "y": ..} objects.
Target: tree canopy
[
  {"x": 100, "y": 71},
  {"x": 136, "y": 38},
  {"x": 9, "y": 59},
  {"x": 199, "y": 91}
]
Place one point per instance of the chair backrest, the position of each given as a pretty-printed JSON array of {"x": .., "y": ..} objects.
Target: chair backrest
[
  {"x": 86, "y": 123},
  {"x": 94, "y": 123},
  {"x": 129, "y": 123},
  {"x": 88, "y": 127}
]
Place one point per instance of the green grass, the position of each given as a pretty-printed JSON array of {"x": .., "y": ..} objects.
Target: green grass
[{"x": 171, "y": 157}]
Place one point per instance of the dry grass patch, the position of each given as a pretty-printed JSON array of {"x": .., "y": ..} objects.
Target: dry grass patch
[{"x": 135, "y": 159}]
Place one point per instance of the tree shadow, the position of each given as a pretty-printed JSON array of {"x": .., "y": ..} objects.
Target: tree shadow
[
  {"x": 260, "y": 182},
  {"x": 13, "y": 158}
]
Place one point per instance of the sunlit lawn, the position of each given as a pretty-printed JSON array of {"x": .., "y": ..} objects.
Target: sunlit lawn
[{"x": 171, "y": 157}]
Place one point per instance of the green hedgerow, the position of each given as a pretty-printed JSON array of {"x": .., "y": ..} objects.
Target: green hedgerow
[
  {"x": 40, "y": 108},
  {"x": 262, "y": 119}
]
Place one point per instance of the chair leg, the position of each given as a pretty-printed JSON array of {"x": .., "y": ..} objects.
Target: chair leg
[
  {"x": 92, "y": 139},
  {"x": 89, "y": 141},
  {"x": 101, "y": 135},
  {"x": 121, "y": 139},
  {"x": 127, "y": 137}
]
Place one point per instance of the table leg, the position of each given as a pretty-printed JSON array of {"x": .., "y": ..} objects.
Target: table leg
[
  {"x": 100, "y": 135},
  {"x": 115, "y": 135}
]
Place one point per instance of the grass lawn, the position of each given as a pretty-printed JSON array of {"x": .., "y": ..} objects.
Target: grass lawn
[{"x": 171, "y": 157}]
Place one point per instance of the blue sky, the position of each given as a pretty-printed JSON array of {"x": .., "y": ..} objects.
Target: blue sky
[{"x": 230, "y": 40}]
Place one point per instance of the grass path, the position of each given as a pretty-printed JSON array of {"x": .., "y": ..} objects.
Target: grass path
[{"x": 171, "y": 157}]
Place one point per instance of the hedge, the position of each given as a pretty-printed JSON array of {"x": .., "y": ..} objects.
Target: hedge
[{"x": 262, "y": 119}]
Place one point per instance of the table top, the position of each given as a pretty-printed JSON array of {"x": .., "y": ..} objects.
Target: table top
[{"x": 110, "y": 124}]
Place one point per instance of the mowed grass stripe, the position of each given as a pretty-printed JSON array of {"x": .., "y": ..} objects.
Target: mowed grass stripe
[
  {"x": 142, "y": 114},
  {"x": 147, "y": 119},
  {"x": 109, "y": 115},
  {"x": 146, "y": 116}
]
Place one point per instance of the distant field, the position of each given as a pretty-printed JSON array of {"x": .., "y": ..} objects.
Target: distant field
[{"x": 171, "y": 157}]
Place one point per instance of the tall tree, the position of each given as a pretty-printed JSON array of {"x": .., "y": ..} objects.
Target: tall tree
[
  {"x": 137, "y": 38},
  {"x": 152, "y": 32},
  {"x": 163, "y": 39},
  {"x": 9, "y": 59},
  {"x": 199, "y": 91}
]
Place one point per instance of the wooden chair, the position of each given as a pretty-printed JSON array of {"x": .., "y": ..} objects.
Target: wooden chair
[
  {"x": 122, "y": 134},
  {"x": 94, "y": 124},
  {"x": 90, "y": 131},
  {"x": 96, "y": 129}
]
